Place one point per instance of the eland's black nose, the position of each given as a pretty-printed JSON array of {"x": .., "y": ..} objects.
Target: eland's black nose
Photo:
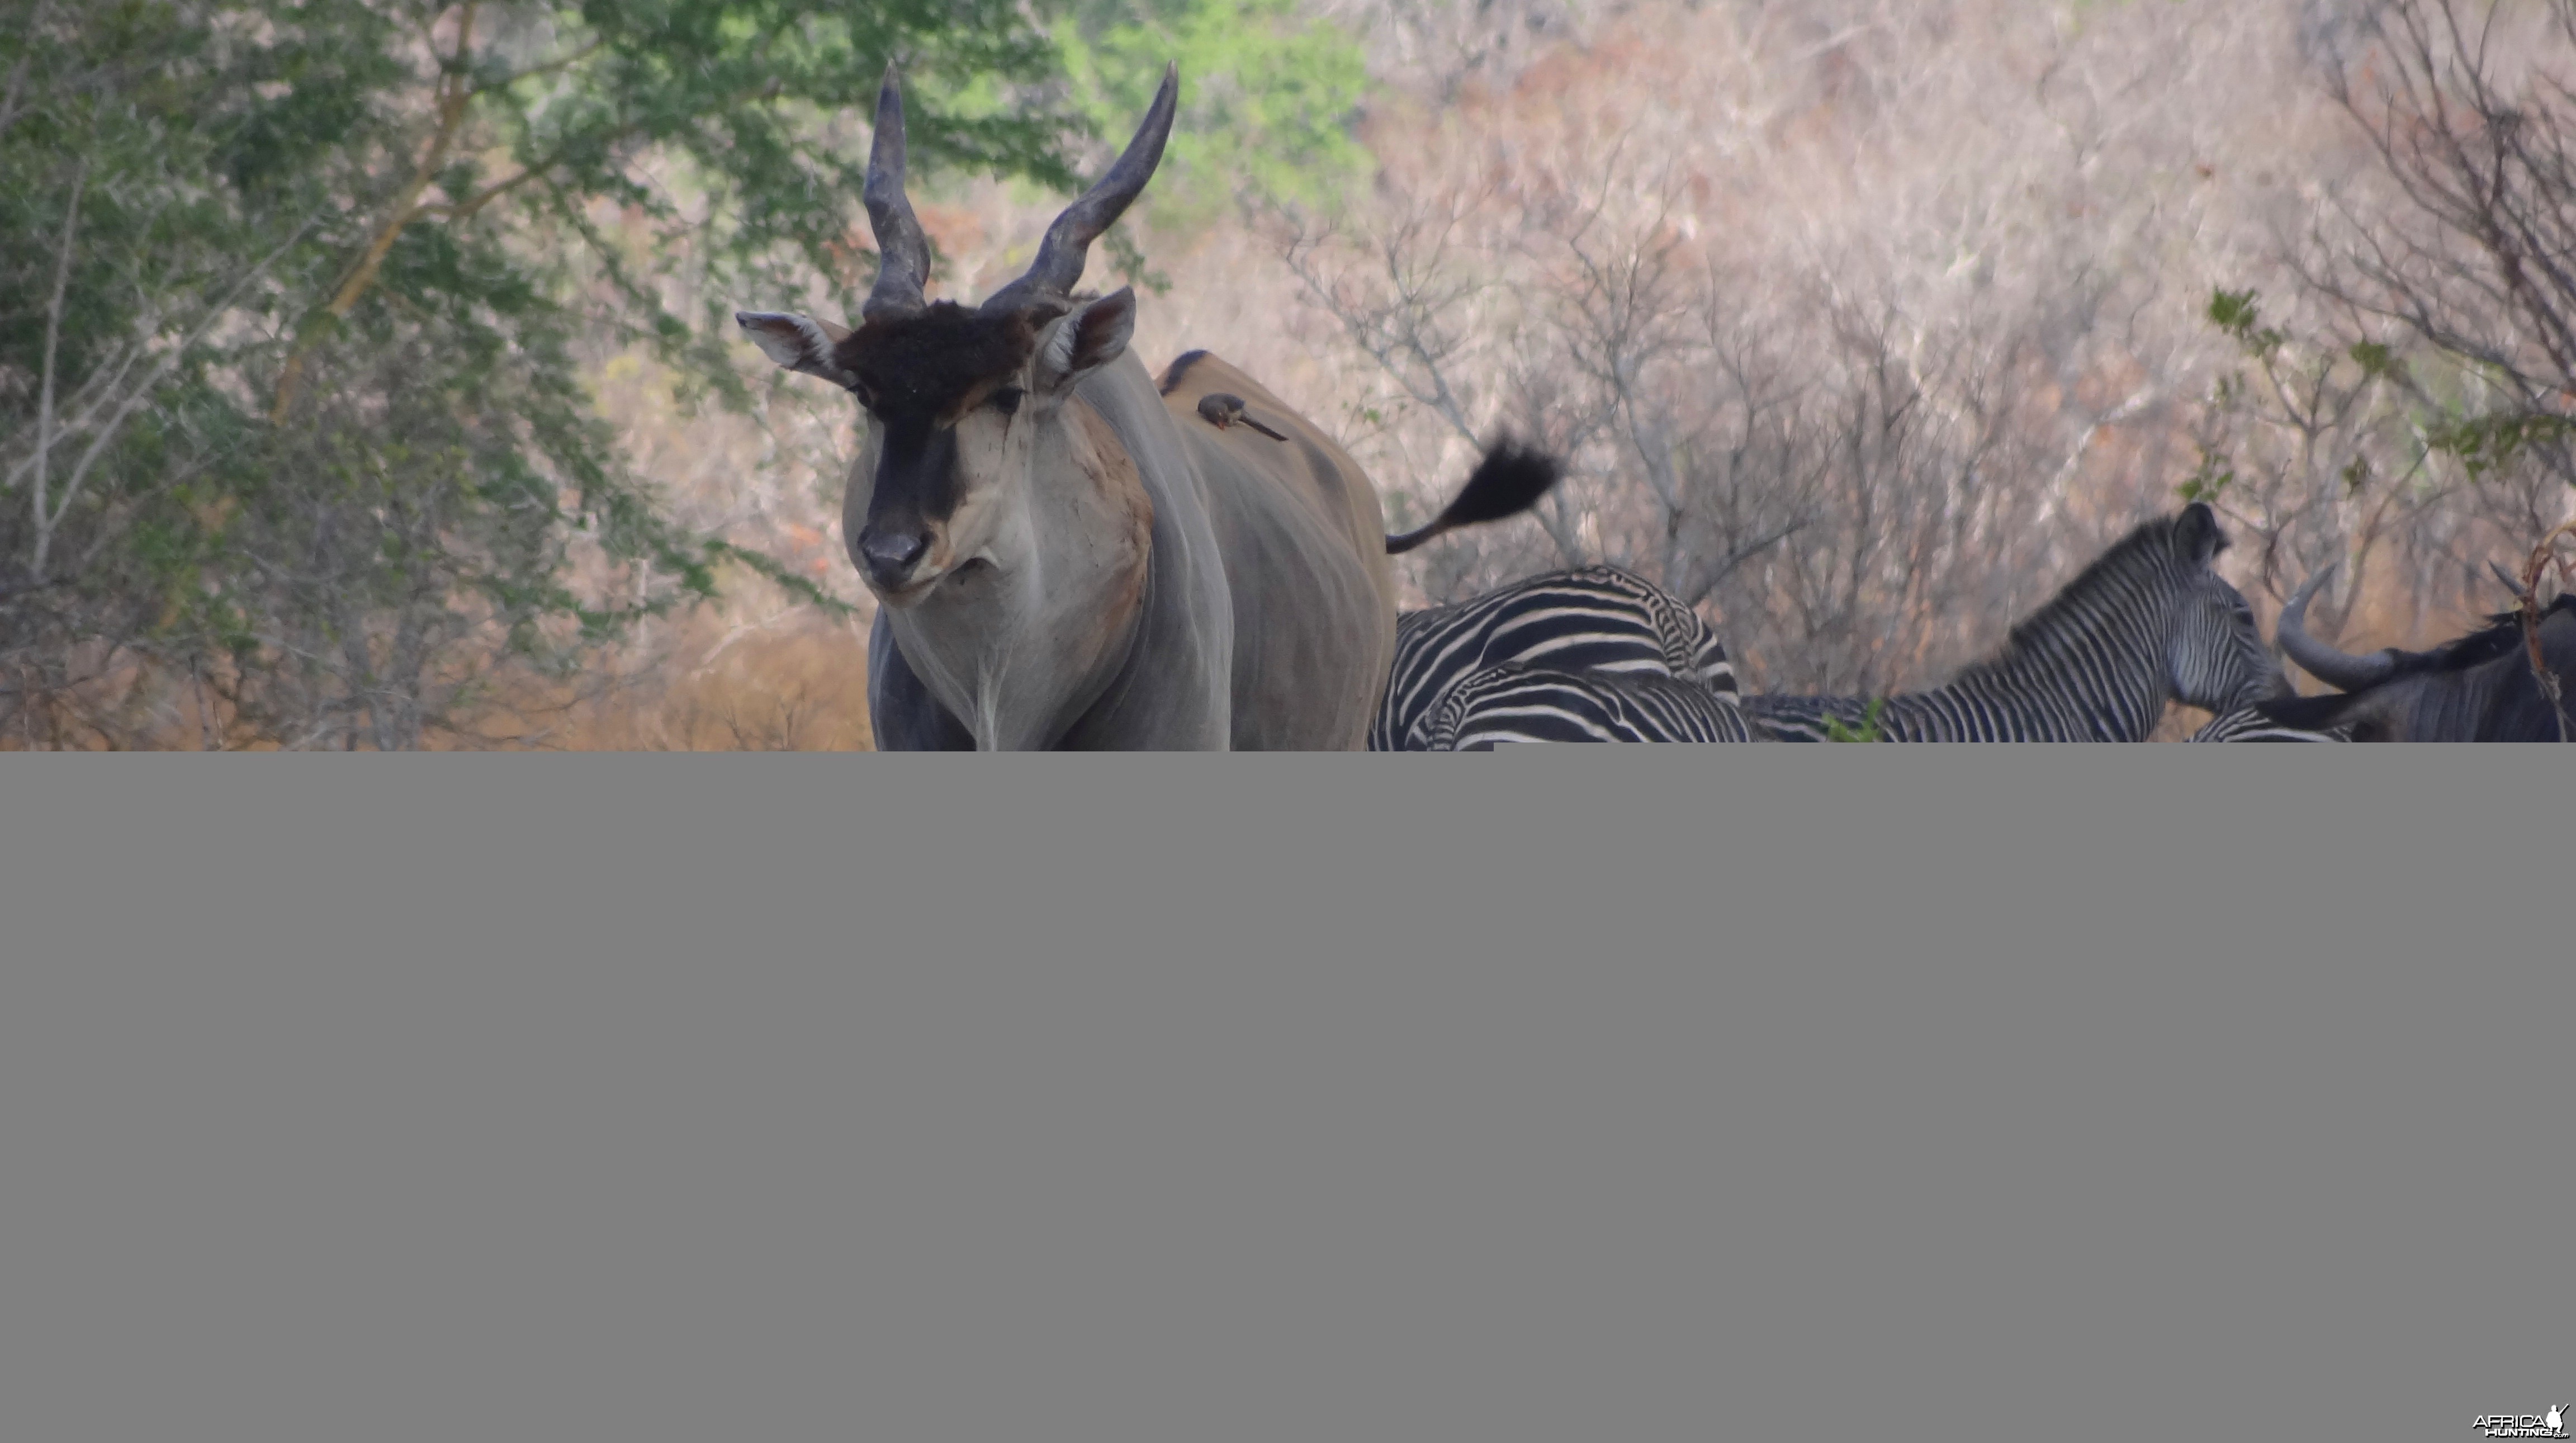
[{"x": 889, "y": 558}]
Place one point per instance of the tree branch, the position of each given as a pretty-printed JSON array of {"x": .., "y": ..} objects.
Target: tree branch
[
  {"x": 455, "y": 94},
  {"x": 549, "y": 66},
  {"x": 135, "y": 398},
  {"x": 9, "y": 108},
  {"x": 53, "y": 334}
]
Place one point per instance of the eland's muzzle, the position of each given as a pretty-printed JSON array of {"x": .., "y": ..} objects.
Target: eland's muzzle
[{"x": 888, "y": 557}]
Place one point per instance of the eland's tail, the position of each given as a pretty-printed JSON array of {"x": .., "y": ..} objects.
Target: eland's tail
[{"x": 1509, "y": 481}]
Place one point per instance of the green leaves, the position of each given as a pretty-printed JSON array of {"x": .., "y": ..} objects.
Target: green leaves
[
  {"x": 2240, "y": 316},
  {"x": 2208, "y": 480},
  {"x": 2473, "y": 421},
  {"x": 1869, "y": 729},
  {"x": 2483, "y": 444},
  {"x": 2377, "y": 362},
  {"x": 406, "y": 231},
  {"x": 1267, "y": 99}
]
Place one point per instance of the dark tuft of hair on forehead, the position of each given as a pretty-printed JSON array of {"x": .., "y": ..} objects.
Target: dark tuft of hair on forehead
[{"x": 920, "y": 365}]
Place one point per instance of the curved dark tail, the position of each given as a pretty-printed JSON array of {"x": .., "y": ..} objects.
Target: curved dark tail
[{"x": 1509, "y": 481}]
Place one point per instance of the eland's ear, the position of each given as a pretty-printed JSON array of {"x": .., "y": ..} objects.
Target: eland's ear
[
  {"x": 800, "y": 343},
  {"x": 1090, "y": 338}
]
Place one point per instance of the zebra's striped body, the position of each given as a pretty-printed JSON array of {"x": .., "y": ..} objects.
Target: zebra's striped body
[
  {"x": 1592, "y": 619},
  {"x": 1508, "y": 703},
  {"x": 2147, "y": 622},
  {"x": 2245, "y": 724}
]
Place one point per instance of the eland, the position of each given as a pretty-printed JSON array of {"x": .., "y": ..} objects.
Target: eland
[{"x": 1067, "y": 555}]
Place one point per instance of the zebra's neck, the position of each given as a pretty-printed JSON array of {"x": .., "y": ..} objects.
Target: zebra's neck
[
  {"x": 2088, "y": 666},
  {"x": 1949, "y": 714}
]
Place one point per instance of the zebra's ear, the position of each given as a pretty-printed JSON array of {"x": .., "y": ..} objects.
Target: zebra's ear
[{"x": 2197, "y": 536}]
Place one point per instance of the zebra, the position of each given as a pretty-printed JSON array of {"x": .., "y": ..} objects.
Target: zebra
[
  {"x": 2147, "y": 621},
  {"x": 1587, "y": 619},
  {"x": 2246, "y": 724},
  {"x": 1509, "y": 702}
]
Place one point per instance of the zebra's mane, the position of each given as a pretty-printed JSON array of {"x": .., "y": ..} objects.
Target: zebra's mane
[{"x": 2150, "y": 548}]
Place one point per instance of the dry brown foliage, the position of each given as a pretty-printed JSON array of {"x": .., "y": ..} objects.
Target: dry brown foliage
[{"x": 1868, "y": 323}]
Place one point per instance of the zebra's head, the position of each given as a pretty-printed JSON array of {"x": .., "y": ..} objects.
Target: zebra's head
[{"x": 2215, "y": 657}]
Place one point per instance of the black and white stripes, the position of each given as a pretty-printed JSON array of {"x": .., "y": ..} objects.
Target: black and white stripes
[
  {"x": 2245, "y": 724},
  {"x": 1599, "y": 655},
  {"x": 1515, "y": 703},
  {"x": 2147, "y": 622},
  {"x": 1590, "y": 621}
]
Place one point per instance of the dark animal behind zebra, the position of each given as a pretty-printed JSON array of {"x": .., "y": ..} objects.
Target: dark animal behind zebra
[
  {"x": 2147, "y": 622},
  {"x": 1587, "y": 619},
  {"x": 1509, "y": 703},
  {"x": 2474, "y": 688}
]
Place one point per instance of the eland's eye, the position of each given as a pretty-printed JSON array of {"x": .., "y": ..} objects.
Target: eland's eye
[{"x": 1007, "y": 400}]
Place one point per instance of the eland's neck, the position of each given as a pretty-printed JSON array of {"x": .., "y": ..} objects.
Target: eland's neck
[{"x": 1019, "y": 650}]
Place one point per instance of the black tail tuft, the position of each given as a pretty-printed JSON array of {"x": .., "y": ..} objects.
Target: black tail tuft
[{"x": 1509, "y": 481}]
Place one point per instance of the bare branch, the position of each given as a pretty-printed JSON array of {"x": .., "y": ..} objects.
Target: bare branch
[
  {"x": 53, "y": 333},
  {"x": 549, "y": 67},
  {"x": 455, "y": 93},
  {"x": 142, "y": 390}
]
